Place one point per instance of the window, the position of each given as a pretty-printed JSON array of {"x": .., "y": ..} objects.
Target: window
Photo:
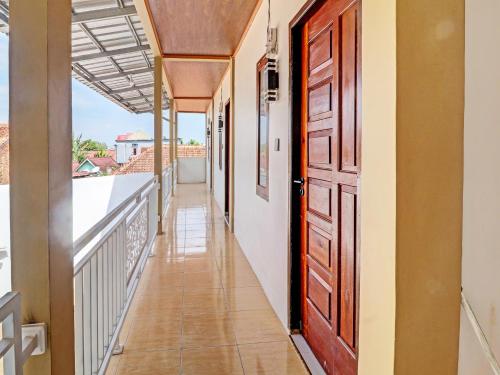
[{"x": 262, "y": 132}]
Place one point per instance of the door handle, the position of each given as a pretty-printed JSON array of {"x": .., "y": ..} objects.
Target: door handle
[{"x": 299, "y": 181}]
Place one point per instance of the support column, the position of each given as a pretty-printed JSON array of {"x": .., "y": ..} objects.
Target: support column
[
  {"x": 171, "y": 141},
  {"x": 176, "y": 137},
  {"x": 411, "y": 207},
  {"x": 158, "y": 125},
  {"x": 40, "y": 175},
  {"x": 429, "y": 169}
]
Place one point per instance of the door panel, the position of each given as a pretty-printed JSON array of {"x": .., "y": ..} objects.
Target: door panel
[
  {"x": 347, "y": 264},
  {"x": 320, "y": 100},
  {"x": 320, "y": 246},
  {"x": 320, "y": 294},
  {"x": 331, "y": 140},
  {"x": 320, "y": 198}
]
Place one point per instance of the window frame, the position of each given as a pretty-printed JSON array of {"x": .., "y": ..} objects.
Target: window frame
[{"x": 262, "y": 191}]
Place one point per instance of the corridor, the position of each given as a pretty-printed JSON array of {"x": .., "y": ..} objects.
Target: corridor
[{"x": 199, "y": 308}]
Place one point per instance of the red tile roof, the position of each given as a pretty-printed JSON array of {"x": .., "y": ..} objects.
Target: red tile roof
[
  {"x": 104, "y": 163},
  {"x": 144, "y": 162},
  {"x": 110, "y": 152}
]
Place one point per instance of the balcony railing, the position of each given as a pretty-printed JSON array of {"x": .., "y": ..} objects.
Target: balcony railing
[{"x": 109, "y": 259}]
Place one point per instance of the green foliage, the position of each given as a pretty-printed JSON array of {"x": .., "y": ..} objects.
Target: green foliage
[
  {"x": 91, "y": 145},
  {"x": 193, "y": 142},
  {"x": 81, "y": 147},
  {"x": 101, "y": 154}
]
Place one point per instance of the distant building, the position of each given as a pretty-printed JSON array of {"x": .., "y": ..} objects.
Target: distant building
[
  {"x": 131, "y": 144},
  {"x": 144, "y": 162},
  {"x": 96, "y": 166}
]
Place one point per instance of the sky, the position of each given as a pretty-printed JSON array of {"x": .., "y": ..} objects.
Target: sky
[{"x": 98, "y": 118}]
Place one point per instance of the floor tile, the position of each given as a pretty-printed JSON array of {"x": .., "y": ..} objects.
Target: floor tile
[
  {"x": 239, "y": 279},
  {"x": 201, "y": 264},
  {"x": 207, "y": 330},
  {"x": 224, "y": 360},
  {"x": 257, "y": 326},
  {"x": 202, "y": 280},
  {"x": 155, "y": 333},
  {"x": 198, "y": 252},
  {"x": 148, "y": 363},
  {"x": 249, "y": 298},
  {"x": 203, "y": 301},
  {"x": 276, "y": 358}
]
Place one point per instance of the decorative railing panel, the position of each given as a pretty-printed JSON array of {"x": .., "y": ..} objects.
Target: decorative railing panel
[
  {"x": 137, "y": 236},
  {"x": 167, "y": 188}
]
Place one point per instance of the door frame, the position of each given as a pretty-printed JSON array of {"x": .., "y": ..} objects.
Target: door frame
[
  {"x": 295, "y": 108},
  {"x": 228, "y": 124}
]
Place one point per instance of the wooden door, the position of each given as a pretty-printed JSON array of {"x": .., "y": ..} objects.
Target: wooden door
[
  {"x": 330, "y": 167},
  {"x": 227, "y": 158}
]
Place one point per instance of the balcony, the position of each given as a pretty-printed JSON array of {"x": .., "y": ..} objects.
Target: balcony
[
  {"x": 186, "y": 300},
  {"x": 115, "y": 229}
]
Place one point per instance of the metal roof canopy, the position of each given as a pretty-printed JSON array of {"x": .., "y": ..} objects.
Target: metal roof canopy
[{"x": 110, "y": 52}]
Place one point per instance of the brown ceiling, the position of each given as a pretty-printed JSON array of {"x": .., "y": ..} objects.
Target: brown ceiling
[
  {"x": 194, "y": 78},
  {"x": 184, "y": 105},
  {"x": 199, "y": 27}
]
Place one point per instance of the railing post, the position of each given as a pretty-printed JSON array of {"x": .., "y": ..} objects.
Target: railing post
[
  {"x": 41, "y": 186},
  {"x": 158, "y": 125}
]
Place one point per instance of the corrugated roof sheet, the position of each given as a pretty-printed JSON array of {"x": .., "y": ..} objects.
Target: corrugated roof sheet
[{"x": 110, "y": 52}]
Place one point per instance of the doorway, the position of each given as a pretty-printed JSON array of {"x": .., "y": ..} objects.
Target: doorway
[
  {"x": 326, "y": 170},
  {"x": 227, "y": 159}
]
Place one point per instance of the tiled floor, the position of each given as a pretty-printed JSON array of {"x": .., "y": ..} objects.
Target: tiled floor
[{"x": 199, "y": 308}]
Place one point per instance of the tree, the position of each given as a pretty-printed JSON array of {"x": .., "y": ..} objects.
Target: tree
[
  {"x": 78, "y": 151},
  {"x": 101, "y": 154},
  {"x": 81, "y": 148},
  {"x": 193, "y": 142},
  {"x": 91, "y": 145}
]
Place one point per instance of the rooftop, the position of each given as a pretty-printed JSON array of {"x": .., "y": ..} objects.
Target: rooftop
[{"x": 134, "y": 136}]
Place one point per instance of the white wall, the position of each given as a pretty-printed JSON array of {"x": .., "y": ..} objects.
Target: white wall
[
  {"x": 481, "y": 245},
  {"x": 262, "y": 226},
  {"x": 191, "y": 170}
]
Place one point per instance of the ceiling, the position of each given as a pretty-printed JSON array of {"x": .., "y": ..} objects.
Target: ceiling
[{"x": 190, "y": 29}]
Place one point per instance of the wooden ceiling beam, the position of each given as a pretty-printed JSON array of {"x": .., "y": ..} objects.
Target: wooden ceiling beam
[{"x": 196, "y": 58}]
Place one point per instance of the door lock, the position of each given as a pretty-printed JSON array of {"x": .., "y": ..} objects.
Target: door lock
[{"x": 300, "y": 182}]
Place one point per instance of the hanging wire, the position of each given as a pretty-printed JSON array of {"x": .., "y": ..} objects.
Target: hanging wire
[
  {"x": 268, "y": 18},
  {"x": 221, "y": 107}
]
